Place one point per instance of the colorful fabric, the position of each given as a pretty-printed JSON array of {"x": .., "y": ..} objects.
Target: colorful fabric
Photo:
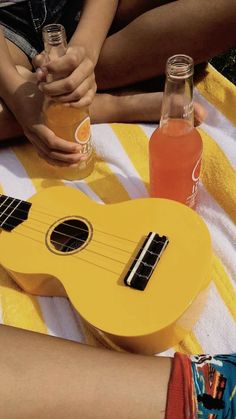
[
  {"x": 202, "y": 387},
  {"x": 180, "y": 401},
  {"x": 214, "y": 380},
  {"x": 121, "y": 173}
]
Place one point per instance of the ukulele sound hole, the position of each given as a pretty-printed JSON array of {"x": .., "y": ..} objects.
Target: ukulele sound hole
[{"x": 69, "y": 235}]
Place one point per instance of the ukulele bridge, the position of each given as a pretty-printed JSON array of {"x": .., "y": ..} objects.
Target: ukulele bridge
[{"x": 145, "y": 261}]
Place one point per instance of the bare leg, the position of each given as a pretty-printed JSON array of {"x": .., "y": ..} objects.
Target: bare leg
[
  {"x": 128, "y": 10},
  {"x": 44, "y": 377},
  {"x": 139, "y": 51},
  {"x": 9, "y": 126},
  {"x": 142, "y": 107}
]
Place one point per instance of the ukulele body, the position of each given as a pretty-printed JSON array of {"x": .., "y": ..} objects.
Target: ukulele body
[{"x": 71, "y": 246}]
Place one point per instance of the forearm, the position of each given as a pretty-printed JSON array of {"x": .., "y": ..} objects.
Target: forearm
[{"x": 94, "y": 25}]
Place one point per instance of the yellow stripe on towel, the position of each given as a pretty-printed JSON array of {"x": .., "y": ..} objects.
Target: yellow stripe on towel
[
  {"x": 41, "y": 174},
  {"x": 134, "y": 141},
  {"x": 189, "y": 345},
  {"x": 220, "y": 92},
  {"x": 218, "y": 175},
  {"x": 19, "y": 309},
  {"x": 224, "y": 286},
  {"x": 105, "y": 183},
  {"x": 102, "y": 181}
]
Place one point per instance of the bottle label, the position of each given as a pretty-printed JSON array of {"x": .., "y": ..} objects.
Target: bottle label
[
  {"x": 191, "y": 200},
  {"x": 83, "y": 135},
  {"x": 188, "y": 110}
]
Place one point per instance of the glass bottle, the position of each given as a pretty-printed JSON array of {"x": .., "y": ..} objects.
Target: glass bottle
[
  {"x": 72, "y": 124},
  {"x": 175, "y": 148}
]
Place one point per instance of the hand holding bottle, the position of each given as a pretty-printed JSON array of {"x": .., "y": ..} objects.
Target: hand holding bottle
[
  {"x": 72, "y": 123},
  {"x": 73, "y": 79},
  {"x": 27, "y": 110}
]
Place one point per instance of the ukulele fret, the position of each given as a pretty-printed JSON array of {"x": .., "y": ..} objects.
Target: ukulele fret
[
  {"x": 145, "y": 261},
  {"x": 12, "y": 212}
]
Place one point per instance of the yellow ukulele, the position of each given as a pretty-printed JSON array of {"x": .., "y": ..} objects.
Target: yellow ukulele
[{"x": 136, "y": 272}]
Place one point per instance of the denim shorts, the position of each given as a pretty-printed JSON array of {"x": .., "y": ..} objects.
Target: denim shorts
[{"x": 22, "y": 23}]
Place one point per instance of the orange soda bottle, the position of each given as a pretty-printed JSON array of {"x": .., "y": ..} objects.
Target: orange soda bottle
[
  {"x": 68, "y": 123},
  {"x": 175, "y": 148}
]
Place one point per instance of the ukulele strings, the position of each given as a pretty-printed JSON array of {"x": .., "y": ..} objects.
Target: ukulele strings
[
  {"x": 71, "y": 255},
  {"x": 58, "y": 216},
  {"x": 68, "y": 236},
  {"x": 77, "y": 239},
  {"x": 74, "y": 227},
  {"x": 64, "y": 234},
  {"x": 83, "y": 241}
]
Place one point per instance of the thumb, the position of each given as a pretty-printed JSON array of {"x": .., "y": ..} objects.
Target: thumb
[{"x": 39, "y": 60}]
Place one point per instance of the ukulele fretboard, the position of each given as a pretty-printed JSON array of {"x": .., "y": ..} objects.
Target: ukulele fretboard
[{"x": 12, "y": 212}]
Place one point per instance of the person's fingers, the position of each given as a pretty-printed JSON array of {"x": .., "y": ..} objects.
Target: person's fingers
[
  {"x": 50, "y": 161},
  {"x": 68, "y": 159},
  {"x": 64, "y": 65},
  {"x": 87, "y": 87},
  {"x": 84, "y": 101},
  {"x": 65, "y": 85},
  {"x": 38, "y": 63},
  {"x": 52, "y": 156},
  {"x": 39, "y": 60},
  {"x": 57, "y": 162},
  {"x": 200, "y": 113},
  {"x": 41, "y": 75},
  {"x": 53, "y": 142},
  {"x": 42, "y": 150}
]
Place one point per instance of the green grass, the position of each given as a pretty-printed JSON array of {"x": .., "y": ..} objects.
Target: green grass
[{"x": 226, "y": 64}]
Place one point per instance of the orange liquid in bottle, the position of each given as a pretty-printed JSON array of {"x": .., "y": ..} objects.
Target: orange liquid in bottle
[
  {"x": 72, "y": 124},
  {"x": 175, "y": 152},
  {"x": 63, "y": 121}
]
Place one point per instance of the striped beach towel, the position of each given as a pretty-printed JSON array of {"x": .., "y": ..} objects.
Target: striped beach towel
[{"x": 121, "y": 173}]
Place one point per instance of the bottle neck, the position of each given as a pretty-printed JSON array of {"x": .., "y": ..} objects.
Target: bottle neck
[
  {"x": 54, "y": 38},
  {"x": 178, "y": 94},
  {"x": 55, "y": 45}
]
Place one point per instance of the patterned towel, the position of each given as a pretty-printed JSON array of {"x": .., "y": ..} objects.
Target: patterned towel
[{"x": 121, "y": 173}]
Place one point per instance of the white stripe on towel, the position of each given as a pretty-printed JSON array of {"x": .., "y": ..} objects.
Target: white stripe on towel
[
  {"x": 14, "y": 178},
  {"x": 111, "y": 150}
]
